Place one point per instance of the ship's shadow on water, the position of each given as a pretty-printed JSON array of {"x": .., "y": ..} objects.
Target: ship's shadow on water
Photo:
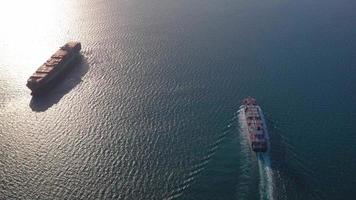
[{"x": 62, "y": 85}]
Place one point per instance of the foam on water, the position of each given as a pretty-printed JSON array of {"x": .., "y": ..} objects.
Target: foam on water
[
  {"x": 264, "y": 165},
  {"x": 245, "y": 175},
  {"x": 266, "y": 176},
  {"x": 141, "y": 120}
]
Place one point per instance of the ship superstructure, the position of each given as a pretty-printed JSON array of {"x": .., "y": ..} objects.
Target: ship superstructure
[
  {"x": 256, "y": 126},
  {"x": 53, "y": 67}
]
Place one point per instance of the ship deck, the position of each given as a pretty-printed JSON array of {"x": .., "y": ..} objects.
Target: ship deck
[{"x": 255, "y": 126}]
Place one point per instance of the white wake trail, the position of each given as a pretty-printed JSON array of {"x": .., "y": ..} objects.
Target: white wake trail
[
  {"x": 266, "y": 183},
  {"x": 266, "y": 176}
]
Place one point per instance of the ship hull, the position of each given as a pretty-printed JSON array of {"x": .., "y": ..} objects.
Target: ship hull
[
  {"x": 54, "y": 79},
  {"x": 256, "y": 128},
  {"x": 47, "y": 74}
]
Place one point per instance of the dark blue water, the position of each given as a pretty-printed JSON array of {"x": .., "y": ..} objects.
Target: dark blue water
[{"x": 151, "y": 110}]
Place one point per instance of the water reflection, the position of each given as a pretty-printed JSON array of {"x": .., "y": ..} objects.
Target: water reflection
[
  {"x": 66, "y": 82},
  {"x": 29, "y": 33}
]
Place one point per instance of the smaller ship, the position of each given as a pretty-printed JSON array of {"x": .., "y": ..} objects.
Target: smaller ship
[
  {"x": 45, "y": 75},
  {"x": 256, "y": 125}
]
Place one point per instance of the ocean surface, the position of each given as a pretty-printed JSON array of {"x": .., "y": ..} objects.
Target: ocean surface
[{"x": 152, "y": 110}]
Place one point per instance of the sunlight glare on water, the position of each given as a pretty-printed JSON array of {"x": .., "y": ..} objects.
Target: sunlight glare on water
[
  {"x": 30, "y": 31},
  {"x": 145, "y": 114}
]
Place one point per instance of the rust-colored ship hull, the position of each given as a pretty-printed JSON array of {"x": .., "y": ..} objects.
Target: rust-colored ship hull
[{"x": 45, "y": 75}]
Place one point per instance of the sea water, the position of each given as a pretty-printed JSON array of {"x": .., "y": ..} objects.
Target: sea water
[{"x": 150, "y": 112}]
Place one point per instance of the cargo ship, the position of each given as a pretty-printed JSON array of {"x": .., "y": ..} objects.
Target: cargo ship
[
  {"x": 45, "y": 75},
  {"x": 256, "y": 125}
]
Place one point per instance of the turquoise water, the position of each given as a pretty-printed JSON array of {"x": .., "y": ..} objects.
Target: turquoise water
[{"x": 152, "y": 110}]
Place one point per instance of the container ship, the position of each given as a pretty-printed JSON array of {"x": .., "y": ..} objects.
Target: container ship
[
  {"x": 45, "y": 75},
  {"x": 256, "y": 126}
]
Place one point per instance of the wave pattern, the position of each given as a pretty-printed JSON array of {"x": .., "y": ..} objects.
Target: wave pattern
[
  {"x": 266, "y": 183},
  {"x": 266, "y": 175},
  {"x": 200, "y": 167},
  {"x": 144, "y": 115}
]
